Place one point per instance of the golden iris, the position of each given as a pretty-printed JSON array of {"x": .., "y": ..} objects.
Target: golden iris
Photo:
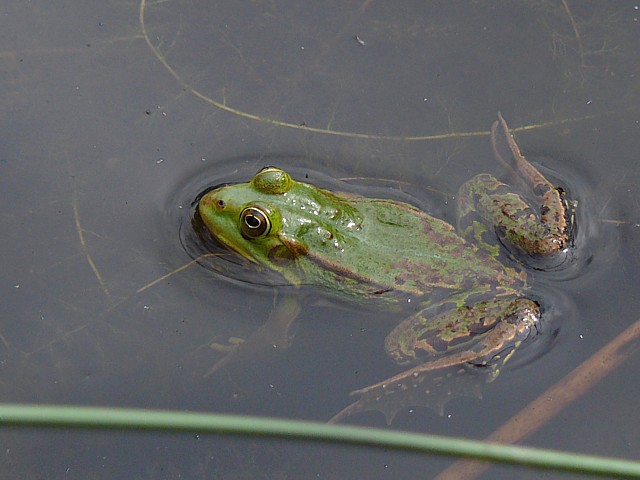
[{"x": 254, "y": 222}]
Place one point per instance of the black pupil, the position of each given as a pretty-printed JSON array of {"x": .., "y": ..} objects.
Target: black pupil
[{"x": 252, "y": 221}]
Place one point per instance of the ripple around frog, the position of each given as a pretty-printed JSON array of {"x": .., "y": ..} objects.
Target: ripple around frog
[{"x": 559, "y": 311}]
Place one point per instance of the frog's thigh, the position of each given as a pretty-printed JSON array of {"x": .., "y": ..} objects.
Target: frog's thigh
[
  {"x": 485, "y": 201},
  {"x": 480, "y": 331}
]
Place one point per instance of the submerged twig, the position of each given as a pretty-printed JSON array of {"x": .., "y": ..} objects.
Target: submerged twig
[
  {"x": 177, "y": 270},
  {"x": 83, "y": 244},
  {"x": 574, "y": 26},
  {"x": 221, "y": 104}
]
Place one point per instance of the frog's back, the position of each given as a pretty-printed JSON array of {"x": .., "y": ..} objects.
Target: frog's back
[{"x": 400, "y": 249}]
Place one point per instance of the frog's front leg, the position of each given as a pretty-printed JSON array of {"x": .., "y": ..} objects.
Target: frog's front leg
[
  {"x": 543, "y": 229},
  {"x": 274, "y": 334},
  {"x": 484, "y": 333}
]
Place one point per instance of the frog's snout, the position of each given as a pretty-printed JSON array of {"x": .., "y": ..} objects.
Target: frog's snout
[{"x": 212, "y": 201}]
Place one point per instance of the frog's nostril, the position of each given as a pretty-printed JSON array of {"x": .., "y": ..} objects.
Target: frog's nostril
[{"x": 221, "y": 204}]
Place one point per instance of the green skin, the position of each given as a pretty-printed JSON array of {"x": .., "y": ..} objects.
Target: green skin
[{"x": 374, "y": 250}]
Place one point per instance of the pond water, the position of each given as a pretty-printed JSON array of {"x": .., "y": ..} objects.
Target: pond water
[{"x": 116, "y": 115}]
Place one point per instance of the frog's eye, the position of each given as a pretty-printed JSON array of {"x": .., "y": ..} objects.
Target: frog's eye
[{"x": 254, "y": 222}]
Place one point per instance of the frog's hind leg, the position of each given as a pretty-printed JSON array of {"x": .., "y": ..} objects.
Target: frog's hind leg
[
  {"x": 480, "y": 333},
  {"x": 456, "y": 351},
  {"x": 543, "y": 229}
]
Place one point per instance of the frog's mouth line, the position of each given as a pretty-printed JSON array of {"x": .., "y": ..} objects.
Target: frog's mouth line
[{"x": 225, "y": 245}]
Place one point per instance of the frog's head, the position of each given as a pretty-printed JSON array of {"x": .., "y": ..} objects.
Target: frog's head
[{"x": 247, "y": 218}]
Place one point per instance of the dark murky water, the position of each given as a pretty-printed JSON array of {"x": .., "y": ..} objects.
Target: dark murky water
[{"x": 115, "y": 116}]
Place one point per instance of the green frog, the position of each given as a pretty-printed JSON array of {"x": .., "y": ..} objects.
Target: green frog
[{"x": 471, "y": 304}]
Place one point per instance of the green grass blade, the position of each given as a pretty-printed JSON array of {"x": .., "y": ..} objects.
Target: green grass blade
[{"x": 59, "y": 416}]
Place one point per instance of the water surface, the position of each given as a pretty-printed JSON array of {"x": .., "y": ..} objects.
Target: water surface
[{"x": 116, "y": 115}]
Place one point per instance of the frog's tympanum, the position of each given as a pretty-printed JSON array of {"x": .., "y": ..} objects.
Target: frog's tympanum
[{"x": 473, "y": 309}]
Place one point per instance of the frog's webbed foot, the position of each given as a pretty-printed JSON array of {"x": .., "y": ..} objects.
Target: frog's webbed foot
[
  {"x": 543, "y": 228},
  {"x": 432, "y": 389}
]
